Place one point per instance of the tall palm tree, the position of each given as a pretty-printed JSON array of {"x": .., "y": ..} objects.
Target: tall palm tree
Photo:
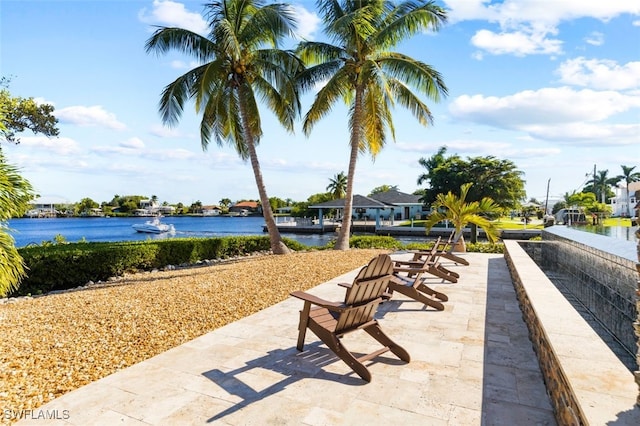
[
  {"x": 240, "y": 62},
  {"x": 16, "y": 195},
  {"x": 462, "y": 213},
  {"x": 361, "y": 69},
  {"x": 338, "y": 185},
  {"x": 628, "y": 176},
  {"x": 601, "y": 182}
]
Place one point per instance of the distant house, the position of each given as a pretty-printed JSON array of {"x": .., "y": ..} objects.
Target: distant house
[
  {"x": 620, "y": 204},
  {"x": 400, "y": 206},
  {"x": 211, "y": 210},
  {"x": 250, "y": 206},
  {"x": 45, "y": 207},
  {"x": 390, "y": 205}
]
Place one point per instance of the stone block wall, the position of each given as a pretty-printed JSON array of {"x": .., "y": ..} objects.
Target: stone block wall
[{"x": 605, "y": 283}]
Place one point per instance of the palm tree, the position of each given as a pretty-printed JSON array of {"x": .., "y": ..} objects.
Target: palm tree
[
  {"x": 16, "y": 195},
  {"x": 361, "y": 70},
  {"x": 338, "y": 185},
  {"x": 628, "y": 176},
  {"x": 240, "y": 62},
  {"x": 461, "y": 213},
  {"x": 601, "y": 182}
]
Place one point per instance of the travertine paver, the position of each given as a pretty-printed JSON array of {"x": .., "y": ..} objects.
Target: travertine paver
[{"x": 471, "y": 364}]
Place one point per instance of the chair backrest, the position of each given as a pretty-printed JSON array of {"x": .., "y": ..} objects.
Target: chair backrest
[{"x": 365, "y": 294}]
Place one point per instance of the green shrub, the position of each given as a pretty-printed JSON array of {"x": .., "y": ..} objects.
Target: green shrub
[{"x": 63, "y": 266}]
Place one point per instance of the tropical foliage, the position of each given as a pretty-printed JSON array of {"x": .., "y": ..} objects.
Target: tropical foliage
[
  {"x": 240, "y": 65},
  {"x": 338, "y": 186},
  {"x": 497, "y": 179},
  {"x": 601, "y": 184},
  {"x": 15, "y": 195},
  {"x": 358, "y": 67},
  {"x": 19, "y": 114},
  {"x": 460, "y": 213}
]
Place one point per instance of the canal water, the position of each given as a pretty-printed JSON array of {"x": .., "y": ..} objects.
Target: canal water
[{"x": 35, "y": 231}]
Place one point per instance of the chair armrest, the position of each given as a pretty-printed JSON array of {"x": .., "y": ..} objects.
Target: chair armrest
[
  {"x": 410, "y": 270},
  {"x": 334, "y": 306},
  {"x": 346, "y": 285},
  {"x": 409, "y": 262}
]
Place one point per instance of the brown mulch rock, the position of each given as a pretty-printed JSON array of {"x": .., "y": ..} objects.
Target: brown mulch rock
[{"x": 56, "y": 343}]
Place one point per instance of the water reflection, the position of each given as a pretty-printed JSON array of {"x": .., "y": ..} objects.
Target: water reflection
[{"x": 620, "y": 232}]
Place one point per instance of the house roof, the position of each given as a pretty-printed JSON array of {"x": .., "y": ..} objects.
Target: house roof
[
  {"x": 359, "y": 202},
  {"x": 395, "y": 198},
  {"x": 246, "y": 204}
]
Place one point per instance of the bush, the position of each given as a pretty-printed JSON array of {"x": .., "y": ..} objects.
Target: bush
[{"x": 64, "y": 266}]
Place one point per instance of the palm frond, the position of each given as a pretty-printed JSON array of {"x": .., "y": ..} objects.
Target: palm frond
[{"x": 165, "y": 39}]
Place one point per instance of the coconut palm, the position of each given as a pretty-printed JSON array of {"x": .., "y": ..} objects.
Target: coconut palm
[
  {"x": 601, "y": 183},
  {"x": 360, "y": 69},
  {"x": 628, "y": 176},
  {"x": 337, "y": 186},
  {"x": 240, "y": 61},
  {"x": 16, "y": 195},
  {"x": 460, "y": 213}
]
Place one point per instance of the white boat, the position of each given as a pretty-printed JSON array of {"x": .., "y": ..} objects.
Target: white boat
[{"x": 153, "y": 226}]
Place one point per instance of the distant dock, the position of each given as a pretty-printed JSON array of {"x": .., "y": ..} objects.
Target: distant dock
[{"x": 308, "y": 227}]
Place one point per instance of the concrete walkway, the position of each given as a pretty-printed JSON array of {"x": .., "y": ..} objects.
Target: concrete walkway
[{"x": 471, "y": 364}]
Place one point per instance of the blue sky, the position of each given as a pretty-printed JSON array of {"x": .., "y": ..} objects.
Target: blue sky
[{"x": 553, "y": 85}]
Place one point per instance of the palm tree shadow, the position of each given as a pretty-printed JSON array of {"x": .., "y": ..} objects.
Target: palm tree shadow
[{"x": 290, "y": 363}]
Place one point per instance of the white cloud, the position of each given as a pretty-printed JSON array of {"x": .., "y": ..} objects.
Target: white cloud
[
  {"x": 60, "y": 146},
  {"x": 308, "y": 22},
  {"x": 600, "y": 74},
  {"x": 168, "y": 13},
  {"x": 595, "y": 39},
  {"x": 165, "y": 132},
  {"x": 525, "y": 25},
  {"x": 89, "y": 116},
  {"x": 518, "y": 43},
  {"x": 133, "y": 143},
  {"x": 561, "y": 114}
]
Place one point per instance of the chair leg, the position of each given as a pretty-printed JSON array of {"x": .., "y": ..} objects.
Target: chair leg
[
  {"x": 302, "y": 326},
  {"x": 431, "y": 292},
  {"x": 333, "y": 343},
  {"x": 376, "y": 332}
]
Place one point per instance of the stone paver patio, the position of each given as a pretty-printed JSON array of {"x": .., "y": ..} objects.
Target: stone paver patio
[{"x": 471, "y": 364}]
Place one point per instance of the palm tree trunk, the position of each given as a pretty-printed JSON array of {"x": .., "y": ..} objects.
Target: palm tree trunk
[
  {"x": 277, "y": 245},
  {"x": 342, "y": 243}
]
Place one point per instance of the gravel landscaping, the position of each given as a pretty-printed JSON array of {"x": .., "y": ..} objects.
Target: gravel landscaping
[{"x": 56, "y": 343}]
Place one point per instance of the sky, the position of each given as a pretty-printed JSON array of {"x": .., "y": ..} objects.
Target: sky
[{"x": 552, "y": 85}]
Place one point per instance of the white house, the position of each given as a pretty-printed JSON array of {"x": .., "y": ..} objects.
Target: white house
[{"x": 620, "y": 204}]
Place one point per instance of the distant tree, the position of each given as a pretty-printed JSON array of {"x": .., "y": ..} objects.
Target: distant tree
[
  {"x": 85, "y": 205},
  {"x": 196, "y": 207},
  {"x": 338, "y": 186},
  {"x": 301, "y": 209},
  {"x": 383, "y": 188},
  {"x": 239, "y": 63},
  {"x": 582, "y": 199},
  {"x": 628, "y": 175},
  {"x": 154, "y": 198},
  {"x": 497, "y": 179},
  {"x": 15, "y": 195},
  {"x": 601, "y": 185},
  {"x": 276, "y": 203},
  {"x": 19, "y": 114},
  {"x": 225, "y": 203}
]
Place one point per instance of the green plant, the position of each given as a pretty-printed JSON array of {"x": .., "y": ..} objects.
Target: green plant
[{"x": 460, "y": 213}]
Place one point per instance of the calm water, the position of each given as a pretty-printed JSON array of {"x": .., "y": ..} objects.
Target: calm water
[
  {"x": 619, "y": 232},
  {"x": 35, "y": 231}
]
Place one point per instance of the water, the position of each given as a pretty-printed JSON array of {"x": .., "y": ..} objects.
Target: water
[
  {"x": 35, "y": 231},
  {"x": 620, "y": 232}
]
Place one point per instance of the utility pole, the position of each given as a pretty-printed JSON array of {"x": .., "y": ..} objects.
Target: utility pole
[{"x": 546, "y": 201}]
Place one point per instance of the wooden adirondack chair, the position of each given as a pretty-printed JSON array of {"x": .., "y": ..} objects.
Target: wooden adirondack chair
[
  {"x": 331, "y": 320},
  {"x": 430, "y": 262},
  {"x": 408, "y": 280},
  {"x": 443, "y": 249}
]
